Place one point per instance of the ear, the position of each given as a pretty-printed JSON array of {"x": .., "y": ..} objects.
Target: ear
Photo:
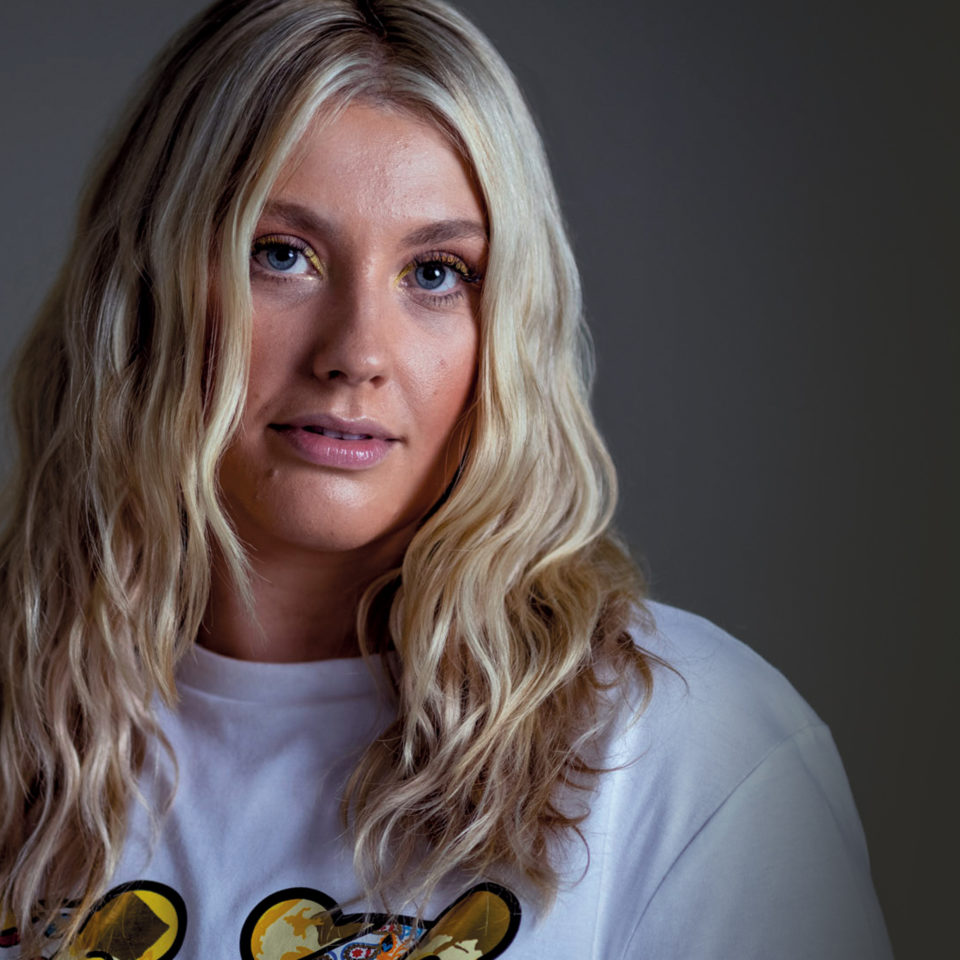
[
  {"x": 478, "y": 926},
  {"x": 141, "y": 920},
  {"x": 297, "y": 921}
]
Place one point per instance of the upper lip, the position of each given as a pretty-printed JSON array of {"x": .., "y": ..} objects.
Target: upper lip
[{"x": 361, "y": 426}]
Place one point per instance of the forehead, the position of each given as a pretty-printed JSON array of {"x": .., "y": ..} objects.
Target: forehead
[{"x": 371, "y": 161}]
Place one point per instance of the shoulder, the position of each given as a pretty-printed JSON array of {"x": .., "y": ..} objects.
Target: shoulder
[
  {"x": 715, "y": 684},
  {"x": 719, "y": 720},
  {"x": 717, "y": 714},
  {"x": 729, "y": 773},
  {"x": 717, "y": 711}
]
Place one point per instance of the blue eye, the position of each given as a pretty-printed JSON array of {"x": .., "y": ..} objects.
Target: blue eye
[
  {"x": 281, "y": 257},
  {"x": 435, "y": 277},
  {"x": 440, "y": 273},
  {"x": 279, "y": 254}
]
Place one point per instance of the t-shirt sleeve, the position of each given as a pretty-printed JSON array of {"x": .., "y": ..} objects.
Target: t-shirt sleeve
[{"x": 779, "y": 870}]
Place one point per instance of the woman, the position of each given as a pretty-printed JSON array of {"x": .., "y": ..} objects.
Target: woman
[{"x": 310, "y": 396}]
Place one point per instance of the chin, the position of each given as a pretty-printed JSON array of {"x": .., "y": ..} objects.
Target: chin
[{"x": 292, "y": 534}]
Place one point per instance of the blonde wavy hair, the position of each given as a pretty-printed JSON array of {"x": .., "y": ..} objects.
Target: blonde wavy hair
[{"x": 514, "y": 597}]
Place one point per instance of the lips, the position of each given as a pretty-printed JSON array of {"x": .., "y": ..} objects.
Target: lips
[
  {"x": 328, "y": 441},
  {"x": 337, "y": 428}
]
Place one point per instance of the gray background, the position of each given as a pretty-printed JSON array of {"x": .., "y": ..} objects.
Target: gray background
[{"x": 763, "y": 200}]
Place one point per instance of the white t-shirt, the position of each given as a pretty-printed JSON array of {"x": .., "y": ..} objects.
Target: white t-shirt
[{"x": 727, "y": 831}]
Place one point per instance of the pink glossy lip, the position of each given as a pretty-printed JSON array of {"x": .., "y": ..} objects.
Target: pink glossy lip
[{"x": 330, "y": 441}]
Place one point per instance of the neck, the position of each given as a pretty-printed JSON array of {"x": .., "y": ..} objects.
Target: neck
[{"x": 304, "y": 606}]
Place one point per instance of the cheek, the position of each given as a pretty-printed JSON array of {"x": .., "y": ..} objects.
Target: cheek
[
  {"x": 241, "y": 482},
  {"x": 273, "y": 362},
  {"x": 449, "y": 384}
]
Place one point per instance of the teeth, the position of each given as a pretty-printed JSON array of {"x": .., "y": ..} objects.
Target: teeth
[{"x": 336, "y": 434}]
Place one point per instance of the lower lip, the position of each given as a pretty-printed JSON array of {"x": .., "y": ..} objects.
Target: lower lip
[{"x": 330, "y": 452}]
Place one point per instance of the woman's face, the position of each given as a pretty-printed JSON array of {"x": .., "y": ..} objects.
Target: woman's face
[{"x": 365, "y": 277}]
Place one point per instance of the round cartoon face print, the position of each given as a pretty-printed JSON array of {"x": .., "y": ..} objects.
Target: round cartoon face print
[{"x": 304, "y": 922}]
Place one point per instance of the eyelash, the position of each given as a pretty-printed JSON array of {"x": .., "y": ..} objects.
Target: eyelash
[
  {"x": 293, "y": 243},
  {"x": 467, "y": 274},
  {"x": 459, "y": 266}
]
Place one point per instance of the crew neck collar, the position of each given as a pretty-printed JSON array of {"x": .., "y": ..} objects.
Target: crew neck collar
[{"x": 278, "y": 683}]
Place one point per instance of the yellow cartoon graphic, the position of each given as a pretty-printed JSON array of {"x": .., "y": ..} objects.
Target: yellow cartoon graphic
[
  {"x": 305, "y": 924},
  {"x": 144, "y": 920},
  {"x": 296, "y": 923},
  {"x": 135, "y": 921}
]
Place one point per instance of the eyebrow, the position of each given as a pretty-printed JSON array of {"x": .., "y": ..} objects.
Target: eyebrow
[
  {"x": 444, "y": 230},
  {"x": 300, "y": 217},
  {"x": 441, "y": 231}
]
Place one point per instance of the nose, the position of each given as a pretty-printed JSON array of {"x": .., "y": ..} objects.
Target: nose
[{"x": 353, "y": 342}]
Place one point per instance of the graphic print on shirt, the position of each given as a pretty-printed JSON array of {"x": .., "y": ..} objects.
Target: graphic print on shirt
[
  {"x": 144, "y": 920},
  {"x": 301, "y": 923},
  {"x": 141, "y": 920}
]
